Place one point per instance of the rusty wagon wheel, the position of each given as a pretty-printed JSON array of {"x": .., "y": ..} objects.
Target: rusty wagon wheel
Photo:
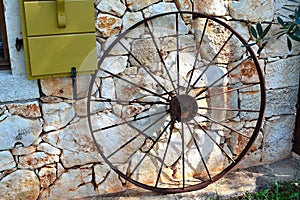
[{"x": 177, "y": 102}]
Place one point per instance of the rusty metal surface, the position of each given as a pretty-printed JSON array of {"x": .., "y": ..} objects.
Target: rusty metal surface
[{"x": 171, "y": 124}]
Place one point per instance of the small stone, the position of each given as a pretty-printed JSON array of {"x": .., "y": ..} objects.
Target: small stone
[
  {"x": 108, "y": 25},
  {"x": 213, "y": 7},
  {"x": 114, "y": 7},
  {"x": 36, "y": 160},
  {"x": 280, "y": 132},
  {"x": 49, "y": 149},
  {"x": 259, "y": 11},
  {"x": 101, "y": 172},
  {"x": 74, "y": 183},
  {"x": 60, "y": 170},
  {"x": 108, "y": 88},
  {"x": 57, "y": 115},
  {"x": 131, "y": 18},
  {"x": 19, "y": 185},
  {"x": 7, "y": 161},
  {"x": 20, "y": 151},
  {"x": 114, "y": 65},
  {"x": 283, "y": 73},
  {"x": 136, "y": 5},
  {"x": 28, "y": 110},
  {"x": 47, "y": 176},
  {"x": 24, "y": 131}
]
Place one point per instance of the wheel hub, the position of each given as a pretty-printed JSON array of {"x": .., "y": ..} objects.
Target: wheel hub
[{"x": 183, "y": 107}]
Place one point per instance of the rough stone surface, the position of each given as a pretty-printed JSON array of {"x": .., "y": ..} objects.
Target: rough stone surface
[
  {"x": 281, "y": 101},
  {"x": 114, "y": 65},
  {"x": 19, "y": 151},
  {"x": 47, "y": 176},
  {"x": 19, "y": 185},
  {"x": 95, "y": 107},
  {"x": 278, "y": 135},
  {"x": 7, "y": 161},
  {"x": 108, "y": 25},
  {"x": 73, "y": 184},
  {"x": 278, "y": 47},
  {"x": 214, "y": 7},
  {"x": 57, "y": 115},
  {"x": 29, "y": 110},
  {"x": 24, "y": 131},
  {"x": 114, "y": 7},
  {"x": 76, "y": 143},
  {"x": 260, "y": 10},
  {"x": 283, "y": 73},
  {"x": 63, "y": 87},
  {"x": 136, "y": 5},
  {"x": 36, "y": 160},
  {"x": 17, "y": 88},
  {"x": 49, "y": 149},
  {"x": 131, "y": 18}
]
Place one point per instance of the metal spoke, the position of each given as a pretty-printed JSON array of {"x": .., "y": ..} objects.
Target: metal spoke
[
  {"x": 129, "y": 102},
  {"x": 165, "y": 153},
  {"x": 143, "y": 88},
  {"x": 198, "y": 52},
  {"x": 208, "y": 65},
  {"x": 128, "y": 122},
  {"x": 160, "y": 56},
  {"x": 147, "y": 152},
  {"x": 214, "y": 141},
  {"x": 228, "y": 91},
  {"x": 134, "y": 57},
  {"x": 227, "y": 109},
  {"x": 182, "y": 156},
  {"x": 212, "y": 84},
  {"x": 199, "y": 151},
  {"x": 132, "y": 139},
  {"x": 177, "y": 56},
  {"x": 225, "y": 126}
]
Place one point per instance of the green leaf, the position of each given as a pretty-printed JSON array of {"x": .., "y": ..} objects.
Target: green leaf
[
  {"x": 253, "y": 32},
  {"x": 289, "y": 43},
  {"x": 262, "y": 47},
  {"x": 266, "y": 30},
  {"x": 281, "y": 22},
  {"x": 259, "y": 29},
  {"x": 295, "y": 37}
]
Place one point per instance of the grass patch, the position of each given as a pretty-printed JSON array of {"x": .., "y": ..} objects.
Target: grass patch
[{"x": 288, "y": 190}]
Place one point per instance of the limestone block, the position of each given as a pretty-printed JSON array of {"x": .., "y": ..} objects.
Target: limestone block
[
  {"x": 20, "y": 151},
  {"x": 283, "y": 73},
  {"x": 63, "y": 87},
  {"x": 108, "y": 25},
  {"x": 17, "y": 88},
  {"x": 136, "y": 5},
  {"x": 23, "y": 131},
  {"x": 214, "y": 7},
  {"x": 28, "y": 110},
  {"x": 49, "y": 149},
  {"x": 184, "y": 5},
  {"x": 113, "y": 64},
  {"x": 278, "y": 47},
  {"x": 108, "y": 88},
  {"x": 57, "y": 115},
  {"x": 81, "y": 108},
  {"x": 19, "y": 185},
  {"x": 278, "y": 135},
  {"x": 75, "y": 183},
  {"x": 37, "y": 160},
  {"x": 251, "y": 159},
  {"x": 166, "y": 25},
  {"x": 281, "y": 101},
  {"x": 185, "y": 42},
  {"x": 47, "y": 176},
  {"x": 101, "y": 173},
  {"x": 250, "y": 101},
  {"x": 76, "y": 143},
  {"x": 131, "y": 18},
  {"x": 118, "y": 49},
  {"x": 254, "y": 11},
  {"x": 7, "y": 161},
  {"x": 114, "y": 7}
]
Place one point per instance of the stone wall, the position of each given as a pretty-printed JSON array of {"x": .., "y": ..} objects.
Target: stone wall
[{"x": 46, "y": 151}]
